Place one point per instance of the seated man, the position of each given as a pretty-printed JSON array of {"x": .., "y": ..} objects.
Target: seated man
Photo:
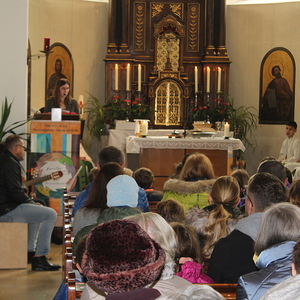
[
  {"x": 16, "y": 206},
  {"x": 232, "y": 255},
  {"x": 109, "y": 154}
]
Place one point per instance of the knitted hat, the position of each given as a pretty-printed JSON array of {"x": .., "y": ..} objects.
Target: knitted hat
[
  {"x": 122, "y": 190},
  {"x": 120, "y": 256}
]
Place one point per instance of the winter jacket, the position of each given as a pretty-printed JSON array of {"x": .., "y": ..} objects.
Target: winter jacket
[
  {"x": 188, "y": 193},
  {"x": 274, "y": 266}
]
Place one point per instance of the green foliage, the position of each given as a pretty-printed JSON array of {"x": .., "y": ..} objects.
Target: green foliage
[{"x": 10, "y": 129}]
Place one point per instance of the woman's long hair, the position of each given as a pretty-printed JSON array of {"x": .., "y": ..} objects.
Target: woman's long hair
[
  {"x": 58, "y": 84},
  {"x": 196, "y": 166},
  {"x": 225, "y": 192},
  {"x": 97, "y": 197}
]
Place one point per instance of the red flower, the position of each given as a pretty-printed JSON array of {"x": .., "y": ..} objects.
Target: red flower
[{"x": 194, "y": 109}]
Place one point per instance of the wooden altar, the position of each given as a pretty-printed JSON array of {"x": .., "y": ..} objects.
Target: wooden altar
[{"x": 161, "y": 154}]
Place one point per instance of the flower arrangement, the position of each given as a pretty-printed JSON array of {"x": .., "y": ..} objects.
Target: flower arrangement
[
  {"x": 201, "y": 112},
  {"x": 222, "y": 111}
]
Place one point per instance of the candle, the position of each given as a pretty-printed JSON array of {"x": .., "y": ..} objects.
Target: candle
[
  {"x": 139, "y": 78},
  {"x": 219, "y": 79},
  {"x": 196, "y": 80},
  {"x": 128, "y": 77},
  {"x": 144, "y": 128},
  {"x": 208, "y": 80},
  {"x": 116, "y": 77},
  {"x": 46, "y": 44},
  {"x": 226, "y": 130}
]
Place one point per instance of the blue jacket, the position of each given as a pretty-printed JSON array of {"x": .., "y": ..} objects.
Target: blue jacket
[
  {"x": 83, "y": 196},
  {"x": 274, "y": 266}
]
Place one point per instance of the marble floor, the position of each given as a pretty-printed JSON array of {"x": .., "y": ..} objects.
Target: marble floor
[{"x": 24, "y": 284}]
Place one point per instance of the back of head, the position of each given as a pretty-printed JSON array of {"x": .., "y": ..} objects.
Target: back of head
[
  {"x": 296, "y": 257},
  {"x": 225, "y": 190},
  {"x": 294, "y": 193},
  {"x": 159, "y": 230},
  {"x": 11, "y": 141},
  {"x": 273, "y": 167},
  {"x": 265, "y": 189},
  {"x": 196, "y": 166},
  {"x": 171, "y": 211},
  {"x": 120, "y": 256},
  {"x": 188, "y": 242},
  {"x": 241, "y": 176},
  {"x": 280, "y": 223},
  {"x": 111, "y": 154},
  {"x": 122, "y": 190},
  {"x": 144, "y": 177}
]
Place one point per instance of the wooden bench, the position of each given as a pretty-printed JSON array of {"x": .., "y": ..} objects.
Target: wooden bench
[{"x": 227, "y": 290}]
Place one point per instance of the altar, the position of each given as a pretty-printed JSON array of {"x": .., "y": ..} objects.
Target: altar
[{"x": 161, "y": 153}]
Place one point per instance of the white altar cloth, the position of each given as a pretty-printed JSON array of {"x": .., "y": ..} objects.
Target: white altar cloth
[{"x": 133, "y": 144}]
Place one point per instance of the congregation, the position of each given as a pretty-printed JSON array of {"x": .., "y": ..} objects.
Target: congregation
[{"x": 233, "y": 229}]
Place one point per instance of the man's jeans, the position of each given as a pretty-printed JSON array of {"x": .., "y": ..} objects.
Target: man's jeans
[{"x": 41, "y": 221}]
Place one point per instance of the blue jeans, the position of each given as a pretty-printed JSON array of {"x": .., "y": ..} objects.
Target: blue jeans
[{"x": 41, "y": 221}]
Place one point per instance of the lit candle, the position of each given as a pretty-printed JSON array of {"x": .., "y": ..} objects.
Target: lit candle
[
  {"x": 196, "y": 80},
  {"x": 208, "y": 80},
  {"x": 219, "y": 79},
  {"x": 139, "y": 78},
  {"x": 226, "y": 130},
  {"x": 116, "y": 77},
  {"x": 144, "y": 128},
  {"x": 46, "y": 44},
  {"x": 128, "y": 77}
]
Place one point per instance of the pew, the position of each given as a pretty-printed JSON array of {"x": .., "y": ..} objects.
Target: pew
[{"x": 227, "y": 290}]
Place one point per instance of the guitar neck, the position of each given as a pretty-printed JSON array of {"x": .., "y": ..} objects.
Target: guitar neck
[{"x": 37, "y": 180}]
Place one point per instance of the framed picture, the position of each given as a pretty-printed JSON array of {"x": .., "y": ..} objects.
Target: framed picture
[
  {"x": 59, "y": 64},
  {"x": 277, "y": 87}
]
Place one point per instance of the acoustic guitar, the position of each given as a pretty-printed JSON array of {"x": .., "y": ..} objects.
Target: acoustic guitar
[{"x": 55, "y": 176}]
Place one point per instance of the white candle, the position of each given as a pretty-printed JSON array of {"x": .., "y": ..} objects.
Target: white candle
[
  {"x": 219, "y": 79},
  {"x": 226, "y": 130},
  {"x": 208, "y": 80},
  {"x": 196, "y": 80},
  {"x": 128, "y": 77},
  {"x": 144, "y": 127},
  {"x": 116, "y": 77},
  {"x": 139, "y": 78}
]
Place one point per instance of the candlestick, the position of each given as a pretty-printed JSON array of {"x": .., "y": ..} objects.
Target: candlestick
[
  {"x": 196, "y": 80},
  {"x": 116, "y": 77},
  {"x": 46, "y": 44},
  {"x": 208, "y": 80},
  {"x": 226, "y": 131},
  {"x": 128, "y": 77},
  {"x": 139, "y": 78},
  {"x": 219, "y": 79}
]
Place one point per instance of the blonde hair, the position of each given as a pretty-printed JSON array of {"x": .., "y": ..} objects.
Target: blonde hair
[
  {"x": 225, "y": 192},
  {"x": 197, "y": 165},
  {"x": 159, "y": 230}
]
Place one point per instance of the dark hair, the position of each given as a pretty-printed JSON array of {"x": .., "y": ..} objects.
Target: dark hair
[
  {"x": 292, "y": 124},
  {"x": 171, "y": 210},
  {"x": 60, "y": 83},
  {"x": 280, "y": 223},
  {"x": 294, "y": 193},
  {"x": 289, "y": 175},
  {"x": 265, "y": 189},
  {"x": 111, "y": 154},
  {"x": 97, "y": 197},
  {"x": 296, "y": 257},
  {"x": 188, "y": 242},
  {"x": 274, "y": 68},
  {"x": 144, "y": 177},
  {"x": 273, "y": 167},
  {"x": 242, "y": 178},
  {"x": 81, "y": 247},
  {"x": 11, "y": 141},
  {"x": 270, "y": 157}
]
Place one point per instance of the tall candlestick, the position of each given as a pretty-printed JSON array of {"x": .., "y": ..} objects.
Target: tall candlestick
[
  {"x": 196, "y": 80},
  {"x": 208, "y": 80},
  {"x": 128, "y": 77},
  {"x": 139, "y": 78},
  {"x": 226, "y": 130},
  {"x": 219, "y": 79},
  {"x": 116, "y": 77},
  {"x": 46, "y": 44}
]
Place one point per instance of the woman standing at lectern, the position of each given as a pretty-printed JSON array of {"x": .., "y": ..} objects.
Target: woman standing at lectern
[{"x": 62, "y": 98}]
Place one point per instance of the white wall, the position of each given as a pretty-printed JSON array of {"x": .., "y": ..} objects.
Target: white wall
[
  {"x": 253, "y": 30},
  {"x": 82, "y": 27},
  {"x": 13, "y": 57}
]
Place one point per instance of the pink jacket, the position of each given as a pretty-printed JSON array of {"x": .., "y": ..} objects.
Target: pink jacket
[{"x": 192, "y": 272}]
